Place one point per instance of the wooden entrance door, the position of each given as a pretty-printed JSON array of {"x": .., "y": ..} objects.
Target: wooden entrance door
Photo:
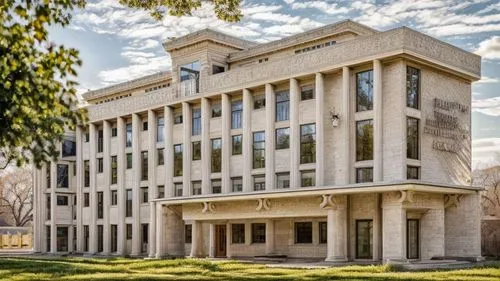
[{"x": 220, "y": 241}]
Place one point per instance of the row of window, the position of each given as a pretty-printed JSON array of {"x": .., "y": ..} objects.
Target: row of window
[{"x": 114, "y": 237}]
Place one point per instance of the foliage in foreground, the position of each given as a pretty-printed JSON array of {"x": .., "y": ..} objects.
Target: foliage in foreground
[{"x": 196, "y": 269}]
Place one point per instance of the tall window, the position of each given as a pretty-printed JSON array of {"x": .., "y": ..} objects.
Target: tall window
[
  {"x": 216, "y": 155},
  {"x": 114, "y": 238},
  {"x": 364, "y": 90},
  {"x": 177, "y": 160},
  {"x": 144, "y": 165},
  {"x": 114, "y": 132},
  {"x": 412, "y": 239},
  {"x": 100, "y": 141},
  {"x": 364, "y": 175},
  {"x": 114, "y": 197},
  {"x": 196, "y": 150},
  {"x": 62, "y": 239},
  {"x": 413, "y": 173},
  {"x": 237, "y": 184},
  {"x": 307, "y": 143},
  {"x": 161, "y": 191},
  {"x": 196, "y": 122},
  {"x": 216, "y": 186},
  {"x": 238, "y": 233},
  {"x": 188, "y": 233},
  {"x": 86, "y": 175},
  {"x": 178, "y": 189},
  {"x": 323, "y": 232},
  {"x": 160, "y": 126},
  {"x": 216, "y": 110},
  {"x": 86, "y": 199},
  {"x": 144, "y": 194},
  {"x": 259, "y": 182},
  {"x": 161, "y": 159},
  {"x": 258, "y": 233},
  {"x": 282, "y": 180},
  {"x": 308, "y": 178},
  {"x": 282, "y": 106},
  {"x": 62, "y": 176},
  {"x": 364, "y": 239},
  {"x": 303, "y": 232},
  {"x": 259, "y": 101},
  {"x": 128, "y": 232},
  {"x": 412, "y": 138},
  {"x": 145, "y": 125},
  {"x": 100, "y": 205},
  {"x": 236, "y": 113},
  {"x": 114, "y": 170},
  {"x": 307, "y": 92},
  {"x": 237, "y": 146},
  {"x": 128, "y": 207},
  {"x": 128, "y": 139},
  {"x": 86, "y": 235},
  {"x": 412, "y": 87},
  {"x": 100, "y": 165},
  {"x": 259, "y": 150},
  {"x": 178, "y": 118},
  {"x": 196, "y": 188},
  {"x": 191, "y": 71},
  {"x": 282, "y": 138},
  {"x": 364, "y": 140},
  {"x": 68, "y": 148},
  {"x": 129, "y": 161}
]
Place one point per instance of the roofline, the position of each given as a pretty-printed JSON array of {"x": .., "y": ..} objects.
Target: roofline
[{"x": 207, "y": 34}]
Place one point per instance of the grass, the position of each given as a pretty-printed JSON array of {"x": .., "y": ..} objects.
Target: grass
[{"x": 199, "y": 269}]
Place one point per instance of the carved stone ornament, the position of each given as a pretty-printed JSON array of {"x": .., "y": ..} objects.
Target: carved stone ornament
[
  {"x": 208, "y": 207},
  {"x": 328, "y": 202},
  {"x": 406, "y": 196},
  {"x": 263, "y": 204},
  {"x": 452, "y": 200}
]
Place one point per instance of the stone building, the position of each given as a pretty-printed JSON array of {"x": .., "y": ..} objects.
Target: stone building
[{"x": 339, "y": 143}]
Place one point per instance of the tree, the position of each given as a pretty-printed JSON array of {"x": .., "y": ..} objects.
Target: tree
[
  {"x": 227, "y": 10},
  {"x": 490, "y": 198},
  {"x": 16, "y": 198},
  {"x": 37, "y": 88}
]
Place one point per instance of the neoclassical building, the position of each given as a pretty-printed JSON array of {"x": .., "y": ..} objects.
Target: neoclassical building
[{"x": 340, "y": 143}]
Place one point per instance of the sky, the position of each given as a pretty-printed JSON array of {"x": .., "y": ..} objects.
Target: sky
[{"x": 118, "y": 44}]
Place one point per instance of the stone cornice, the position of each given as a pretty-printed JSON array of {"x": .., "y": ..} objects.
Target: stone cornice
[{"x": 203, "y": 35}]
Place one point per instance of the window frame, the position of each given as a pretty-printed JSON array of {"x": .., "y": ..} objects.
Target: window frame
[
  {"x": 361, "y": 180},
  {"x": 237, "y": 233},
  {"x": 216, "y": 155},
  {"x": 236, "y": 114},
  {"x": 261, "y": 149},
  {"x": 308, "y": 87},
  {"x": 369, "y": 106},
  {"x": 362, "y": 152},
  {"x": 261, "y": 184},
  {"x": 282, "y": 177},
  {"x": 259, "y": 102},
  {"x": 298, "y": 232},
  {"x": 306, "y": 140},
  {"x": 279, "y": 145},
  {"x": 237, "y": 149},
  {"x": 196, "y": 121},
  {"x": 199, "y": 187},
  {"x": 415, "y": 101},
  {"x": 196, "y": 148},
  {"x": 313, "y": 183},
  {"x": 178, "y": 160},
  {"x": 258, "y": 233},
  {"x": 282, "y": 106},
  {"x": 233, "y": 179},
  {"x": 412, "y": 138}
]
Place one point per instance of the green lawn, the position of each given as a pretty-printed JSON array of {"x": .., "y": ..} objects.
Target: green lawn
[{"x": 193, "y": 269}]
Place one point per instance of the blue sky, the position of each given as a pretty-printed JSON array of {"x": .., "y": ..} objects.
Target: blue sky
[{"x": 118, "y": 44}]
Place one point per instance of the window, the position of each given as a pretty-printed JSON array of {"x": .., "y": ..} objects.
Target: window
[
  {"x": 100, "y": 205},
  {"x": 238, "y": 233},
  {"x": 86, "y": 175},
  {"x": 114, "y": 170},
  {"x": 48, "y": 205},
  {"x": 86, "y": 235},
  {"x": 237, "y": 146},
  {"x": 100, "y": 166},
  {"x": 364, "y": 239},
  {"x": 259, "y": 182},
  {"x": 128, "y": 207},
  {"x": 216, "y": 110},
  {"x": 114, "y": 238},
  {"x": 114, "y": 132},
  {"x": 307, "y": 92},
  {"x": 62, "y": 176},
  {"x": 68, "y": 148},
  {"x": 48, "y": 177},
  {"x": 177, "y": 160},
  {"x": 217, "y": 69},
  {"x": 259, "y": 101},
  {"x": 161, "y": 159},
  {"x": 62, "y": 200},
  {"x": 178, "y": 118},
  {"x": 196, "y": 150},
  {"x": 47, "y": 242},
  {"x": 307, "y": 143},
  {"x": 100, "y": 141},
  {"x": 364, "y": 91},
  {"x": 190, "y": 71},
  {"x": 196, "y": 122},
  {"x": 145, "y": 237},
  {"x": 413, "y": 173},
  {"x": 129, "y": 161},
  {"x": 114, "y": 197},
  {"x": 283, "y": 138},
  {"x": 144, "y": 194},
  {"x": 237, "y": 184},
  {"x": 236, "y": 113},
  {"x": 161, "y": 191},
  {"x": 87, "y": 136},
  {"x": 145, "y": 126},
  {"x": 282, "y": 180},
  {"x": 128, "y": 139},
  {"x": 188, "y": 233},
  {"x": 364, "y": 175},
  {"x": 216, "y": 186},
  {"x": 178, "y": 189},
  {"x": 259, "y": 150},
  {"x": 258, "y": 233},
  {"x": 196, "y": 188},
  {"x": 282, "y": 106},
  {"x": 216, "y": 155},
  {"x": 303, "y": 232},
  {"x": 412, "y": 138},
  {"x": 412, "y": 87},
  {"x": 323, "y": 232},
  {"x": 364, "y": 140},
  {"x": 86, "y": 199},
  {"x": 307, "y": 178},
  {"x": 160, "y": 127},
  {"x": 62, "y": 239},
  {"x": 129, "y": 231},
  {"x": 144, "y": 165},
  {"x": 412, "y": 238}
]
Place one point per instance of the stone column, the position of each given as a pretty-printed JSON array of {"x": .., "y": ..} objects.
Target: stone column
[
  {"x": 294, "y": 133},
  {"x": 93, "y": 187},
  {"x": 197, "y": 240},
  {"x": 70, "y": 239},
  {"x": 36, "y": 210},
  {"x": 320, "y": 130},
  {"x": 269, "y": 237},
  {"x": 53, "y": 206},
  {"x": 168, "y": 152},
  {"x": 346, "y": 126},
  {"x": 270, "y": 136},
  {"x": 79, "y": 190},
  {"x": 122, "y": 193},
  {"x": 247, "y": 140},
  {"x": 106, "y": 182},
  {"x": 377, "y": 221},
  {"x": 153, "y": 188},
  {"x": 377, "y": 122},
  {"x": 211, "y": 241},
  {"x": 186, "y": 156},
  {"x": 136, "y": 192},
  {"x": 394, "y": 233},
  {"x": 160, "y": 231},
  {"x": 226, "y": 143},
  {"x": 229, "y": 254},
  {"x": 336, "y": 239},
  {"x": 205, "y": 146}
]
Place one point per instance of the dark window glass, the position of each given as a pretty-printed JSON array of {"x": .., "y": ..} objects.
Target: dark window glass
[
  {"x": 161, "y": 191},
  {"x": 86, "y": 235},
  {"x": 114, "y": 197},
  {"x": 161, "y": 159},
  {"x": 216, "y": 110},
  {"x": 100, "y": 165},
  {"x": 196, "y": 187},
  {"x": 412, "y": 87},
  {"x": 258, "y": 233},
  {"x": 145, "y": 237},
  {"x": 216, "y": 155},
  {"x": 191, "y": 71},
  {"x": 62, "y": 200},
  {"x": 128, "y": 207},
  {"x": 114, "y": 132},
  {"x": 259, "y": 101},
  {"x": 188, "y": 233},
  {"x": 236, "y": 114},
  {"x": 238, "y": 233},
  {"x": 86, "y": 199},
  {"x": 307, "y": 143},
  {"x": 259, "y": 183},
  {"x": 303, "y": 232},
  {"x": 412, "y": 239},
  {"x": 160, "y": 127},
  {"x": 48, "y": 176},
  {"x": 177, "y": 160},
  {"x": 114, "y": 170},
  {"x": 129, "y": 160},
  {"x": 100, "y": 205},
  {"x": 259, "y": 150},
  {"x": 128, "y": 139},
  {"x": 216, "y": 186},
  {"x": 412, "y": 138},
  {"x": 144, "y": 194},
  {"x": 129, "y": 231},
  {"x": 282, "y": 106},
  {"x": 68, "y": 148},
  {"x": 307, "y": 92},
  {"x": 283, "y": 138},
  {"x": 364, "y": 175},
  {"x": 62, "y": 239},
  {"x": 413, "y": 173},
  {"x": 282, "y": 180},
  {"x": 237, "y": 145},
  {"x": 178, "y": 189},
  {"x": 62, "y": 176},
  {"x": 217, "y": 69},
  {"x": 87, "y": 136},
  {"x": 86, "y": 176},
  {"x": 308, "y": 178},
  {"x": 178, "y": 118},
  {"x": 47, "y": 233},
  {"x": 145, "y": 126},
  {"x": 364, "y": 239},
  {"x": 364, "y": 140},
  {"x": 237, "y": 184},
  {"x": 100, "y": 141},
  {"x": 144, "y": 165},
  {"x": 196, "y": 122},
  {"x": 197, "y": 150},
  {"x": 364, "y": 90},
  {"x": 114, "y": 238},
  {"x": 323, "y": 232}
]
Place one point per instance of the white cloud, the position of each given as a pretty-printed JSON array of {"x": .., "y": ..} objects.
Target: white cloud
[
  {"x": 146, "y": 67},
  {"x": 486, "y": 79},
  {"x": 485, "y": 152},
  {"x": 489, "y": 48},
  {"x": 490, "y": 106},
  {"x": 325, "y": 7}
]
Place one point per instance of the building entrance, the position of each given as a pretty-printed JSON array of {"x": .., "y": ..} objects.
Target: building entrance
[{"x": 220, "y": 241}]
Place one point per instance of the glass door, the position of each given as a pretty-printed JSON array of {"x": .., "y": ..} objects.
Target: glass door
[{"x": 364, "y": 239}]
